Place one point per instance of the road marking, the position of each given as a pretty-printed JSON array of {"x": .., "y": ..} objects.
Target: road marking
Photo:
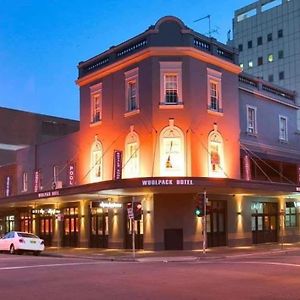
[
  {"x": 50, "y": 265},
  {"x": 258, "y": 263}
]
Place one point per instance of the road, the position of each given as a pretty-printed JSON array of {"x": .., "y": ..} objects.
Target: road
[{"x": 251, "y": 277}]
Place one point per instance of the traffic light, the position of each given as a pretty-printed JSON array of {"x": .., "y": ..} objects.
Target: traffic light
[
  {"x": 137, "y": 211},
  {"x": 199, "y": 211}
]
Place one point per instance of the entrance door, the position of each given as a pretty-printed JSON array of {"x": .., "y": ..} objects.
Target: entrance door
[
  {"x": 138, "y": 228},
  {"x": 46, "y": 229},
  {"x": 173, "y": 239},
  {"x": 264, "y": 222},
  {"x": 9, "y": 223},
  {"x": 99, "y": 228},
  {"x": 216, "y": 223},
  {"x": 26, "y": 222},
  {"x": 70, "y": 227}
]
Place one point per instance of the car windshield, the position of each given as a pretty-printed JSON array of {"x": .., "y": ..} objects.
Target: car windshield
[{"x": 27, "y": 235}]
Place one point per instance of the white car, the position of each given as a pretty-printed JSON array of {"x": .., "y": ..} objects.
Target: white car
[{"x": 19, "y": 242}]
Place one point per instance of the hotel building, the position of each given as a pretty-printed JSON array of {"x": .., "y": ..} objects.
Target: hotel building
[{"x": 164, "y": 118}]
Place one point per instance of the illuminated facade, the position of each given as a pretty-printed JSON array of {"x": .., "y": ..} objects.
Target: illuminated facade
[{"x": 163, "y": 117}]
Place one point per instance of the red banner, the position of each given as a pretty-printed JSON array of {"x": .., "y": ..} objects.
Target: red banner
[{"x": 246, "y": 168}]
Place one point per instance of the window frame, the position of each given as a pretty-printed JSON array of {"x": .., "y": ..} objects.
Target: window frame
[
  {"x": 170, "y": 68},
  {"x": 96, "y": 150},
  {"x": 283, "y": 130},
  {"x": 214, "y": 77},
  {"x": 130, "y": 171},
  {"x": 131, "y": 77},
  {"x": 96, "y": 93},
  {"x": 251, "y": 129},
  {"x": 288, "y": 213}
]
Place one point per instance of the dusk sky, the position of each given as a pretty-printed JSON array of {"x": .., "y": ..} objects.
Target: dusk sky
[{"x": 42, "y": 41}]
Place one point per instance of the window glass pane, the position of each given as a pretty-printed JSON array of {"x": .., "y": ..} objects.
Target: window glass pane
[{"x": 259, "y": 223}]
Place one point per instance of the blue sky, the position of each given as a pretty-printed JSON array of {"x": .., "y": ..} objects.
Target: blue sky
[{"x": 42, "y": 41}]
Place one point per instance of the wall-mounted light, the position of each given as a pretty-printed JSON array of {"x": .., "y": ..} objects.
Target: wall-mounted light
[
  {"x": 239, "y": 213},
  {"x": 148, "y": 212}
]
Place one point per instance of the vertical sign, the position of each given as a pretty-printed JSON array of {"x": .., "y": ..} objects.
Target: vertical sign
[
  {"x": 117, "y": 165},
  {"x": 298, "y": 173},
  {"x": 7, "y": 186},
  {"x": 246, "y": 167},
  {"x": 36, "y": 181},
  {"x": 71, "y": 174}
]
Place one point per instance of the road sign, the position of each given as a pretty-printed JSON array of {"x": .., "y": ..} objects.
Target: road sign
[{"x": 130, "y": 212}]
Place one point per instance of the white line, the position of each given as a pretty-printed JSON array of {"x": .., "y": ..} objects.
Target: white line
[
  {"x": 263, "y": 263},
  {"x": 50, "y": 265}
]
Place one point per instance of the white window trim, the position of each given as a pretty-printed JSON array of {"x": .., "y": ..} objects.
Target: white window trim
[
  {"x": 95, "y": 90},
  {"x": 280, "y": 117},
  {"x": 255, "y": 120},
  {"x": 132, "y": 138},
  {"x": 219, "y": 173},
  {"x": 170, "y": 68},
  {"x": 215, "y": 77},
  {"x": 132, "y": 76},
  {"x": 93, "y": 163},
  {"x": 162, "y": 160}
]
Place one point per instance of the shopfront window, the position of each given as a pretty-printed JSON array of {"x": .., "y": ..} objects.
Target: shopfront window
[{"x": 290, "y": 215}]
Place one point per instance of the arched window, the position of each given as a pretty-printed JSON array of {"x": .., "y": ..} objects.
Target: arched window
[
  {"x": 215, "y": 154},
  {"x": 96, "y": 162},
  {"x": 132, "y": 155},
  {"x": 172, "y": 158}
]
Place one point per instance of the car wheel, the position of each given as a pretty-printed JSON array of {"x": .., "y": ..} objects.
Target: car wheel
[
  {"x": 12, "y": 249},
  {"x": 36, "y": 253}
]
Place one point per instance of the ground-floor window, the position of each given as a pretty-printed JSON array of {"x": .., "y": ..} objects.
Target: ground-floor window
[
  {"x": 26, "y": 222},
  {"x": 290, "y": 215}
]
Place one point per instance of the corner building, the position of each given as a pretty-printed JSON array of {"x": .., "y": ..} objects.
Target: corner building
[{"x": 160, "y": 123}]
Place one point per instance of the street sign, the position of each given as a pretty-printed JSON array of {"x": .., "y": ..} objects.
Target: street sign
[{"x": 130, "y": 212}]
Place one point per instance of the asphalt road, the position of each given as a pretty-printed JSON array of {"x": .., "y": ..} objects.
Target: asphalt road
[{"x": 251, "y": 277}]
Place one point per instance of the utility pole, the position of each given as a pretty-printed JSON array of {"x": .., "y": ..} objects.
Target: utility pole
[{"x": 204, "y": 223}]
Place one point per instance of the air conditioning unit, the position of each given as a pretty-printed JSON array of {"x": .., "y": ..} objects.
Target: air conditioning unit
[{"x": 56, "y": 185}]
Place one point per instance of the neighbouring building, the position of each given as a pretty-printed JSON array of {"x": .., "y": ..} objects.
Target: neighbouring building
[
  {"x": 267, "y": 37},
  {"x": 164, "y": 118}
]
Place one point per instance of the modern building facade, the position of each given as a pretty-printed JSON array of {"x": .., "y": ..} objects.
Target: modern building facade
[
  {"x": 164, "y": 118},
  {"x": 267, "y": 37}
]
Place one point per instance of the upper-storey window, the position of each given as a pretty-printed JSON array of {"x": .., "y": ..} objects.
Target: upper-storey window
[
  {"x": 96, "y": 162},
  {"x": 172, "y": 153},
  {"x": 283, "y": 134},
  {"x": 280, "y": 33},
  {"x": 214, "y": 100},
  {"x": 259, "y": 41},
  {"x": 249, "y": 44},
  {"x": 132, "y": 155},
  {"x": 215, "y": 154},
  {"x": 96, "y": 102},
  {"x": 132, "y": 91},
  {"x": 269, "y": 37},
  {"x": 251, "y": 120},
  {"x": 171, "y": 83},
  {"x": 240, "y": 47}
]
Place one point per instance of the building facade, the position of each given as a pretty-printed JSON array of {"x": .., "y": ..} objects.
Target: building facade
[
  {"x": 165, "y": 118},
  {"x": 267, "y": 37}
]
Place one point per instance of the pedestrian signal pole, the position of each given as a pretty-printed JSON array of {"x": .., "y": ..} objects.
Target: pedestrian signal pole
[
  {"x": 132, "y": 228},
  {"x": 204, "y": 222}
]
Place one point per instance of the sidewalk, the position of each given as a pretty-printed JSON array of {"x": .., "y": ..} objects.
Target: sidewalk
[{"x": 169, "y": 256}]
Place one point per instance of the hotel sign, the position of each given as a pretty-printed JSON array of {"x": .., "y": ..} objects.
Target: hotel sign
[
  {"x": 107, "y": 204},
  {"x": 48, "y": 194},
  {"x": 71, "y": 174},
  {"x": 45, "y": 211},
  {"x": 167, "y": 182},
  {"x": 117, "y": 165}
]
